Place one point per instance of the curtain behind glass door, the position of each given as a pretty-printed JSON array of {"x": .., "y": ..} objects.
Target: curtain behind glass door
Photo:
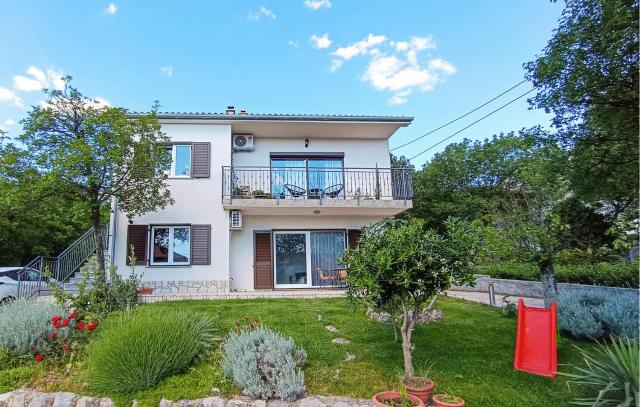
[
  {"x": 324, "y": 174},
  {"x": 326, "y": 246},
  {"x": 285, "y": 173}
]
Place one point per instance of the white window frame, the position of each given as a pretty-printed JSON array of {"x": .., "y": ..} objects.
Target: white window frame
[
  {"x": 170, "y": 261},
  {"x": 307, "y": 239},
  {"x": 172, "y": 170}
]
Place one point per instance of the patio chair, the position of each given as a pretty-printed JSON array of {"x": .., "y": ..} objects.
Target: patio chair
[
  {"x": 333, "y": 191},
  {"x": 325, "y": 277},
  {"x": 295, "y": 190}
]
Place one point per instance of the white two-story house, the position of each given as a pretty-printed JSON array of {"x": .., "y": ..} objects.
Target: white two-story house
[{"x": 262, "y": 201}]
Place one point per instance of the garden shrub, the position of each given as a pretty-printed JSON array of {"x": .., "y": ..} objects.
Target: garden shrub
[
  {"x": 96, "y": 296},
  {"x": 608, "y": 274},
  {"x": 264, "y": 364},
  {"x": 23, "y": 323},
  {"x": 593, "y": 316},
  {"x": 135, "y": 353}
]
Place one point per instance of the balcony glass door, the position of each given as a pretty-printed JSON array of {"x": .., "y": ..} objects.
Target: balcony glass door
[
  {"x": 289, "y": 178},
  {"x": 326, "y": 246},
  {"x": 292, "y": 259},
  {"x": 325, "y": 176}
]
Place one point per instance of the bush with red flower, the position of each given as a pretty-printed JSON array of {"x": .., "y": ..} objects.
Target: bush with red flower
[
  {"x": 245, "y": 323},
  {"x": 66, "y": 337}
]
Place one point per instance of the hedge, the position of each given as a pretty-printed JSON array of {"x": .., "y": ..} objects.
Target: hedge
[{"x": 609, "y": 274}]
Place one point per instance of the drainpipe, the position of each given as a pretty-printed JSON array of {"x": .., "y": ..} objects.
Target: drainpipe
[{"x": 113, "y": 228}]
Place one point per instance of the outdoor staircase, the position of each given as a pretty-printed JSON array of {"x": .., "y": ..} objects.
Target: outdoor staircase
[{"x": 35, "y": 278}]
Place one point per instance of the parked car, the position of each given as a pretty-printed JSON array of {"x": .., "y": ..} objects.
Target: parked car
[{"x": 9, "y": 282}]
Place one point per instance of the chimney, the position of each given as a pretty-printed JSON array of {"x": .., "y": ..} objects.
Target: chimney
[
  {"x": 230, "y": 110},
  {"x": 243, "y": 112}
]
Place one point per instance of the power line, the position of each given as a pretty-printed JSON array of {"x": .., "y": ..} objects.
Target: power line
[
  {"x": 460, "y": 117},
  {"x": 466, "y": 127}
]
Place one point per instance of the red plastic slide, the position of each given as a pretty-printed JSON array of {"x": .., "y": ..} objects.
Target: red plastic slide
[{"x": 536, "y": 347}]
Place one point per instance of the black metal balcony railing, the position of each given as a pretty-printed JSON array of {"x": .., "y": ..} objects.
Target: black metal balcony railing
[{"x": 316, "y": 183}]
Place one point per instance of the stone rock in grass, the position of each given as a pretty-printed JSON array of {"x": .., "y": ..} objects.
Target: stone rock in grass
[
  {"x": 340, "y": 341},
  {"x": 331, "y": 328},
  {"x": 105, "y": 403},
  {"x": 63, "y": 399},
  {"x": 40, "y": 400},
  {"x": 212, "y": 402},
  {"x": 311, "y": 402},
  {"x": 236, "y": 403},
  {"x": 349, "y": 358},
  {"x": 165, "y": 403},
  {"x": 278, "y": 403},
  {"x": 259, "y": 403}
]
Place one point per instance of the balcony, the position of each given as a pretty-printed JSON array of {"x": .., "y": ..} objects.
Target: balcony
[{"x": 308, "y": 190}]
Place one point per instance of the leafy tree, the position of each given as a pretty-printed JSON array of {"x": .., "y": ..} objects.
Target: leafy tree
[
  {"x": 587, "y": 76},
  {"x": 399, "y": 265},
  {"x": 37, "y": 214},
  {"x": 99, "y": 153}
]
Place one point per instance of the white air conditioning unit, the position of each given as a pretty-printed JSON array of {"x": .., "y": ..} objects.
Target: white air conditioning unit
[
  {"x": 242, "y": 142},
  {"x": 235, "y": 219}
]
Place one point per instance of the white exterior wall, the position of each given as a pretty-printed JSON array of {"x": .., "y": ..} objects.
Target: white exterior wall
[
  {"x": 357, "y": 153},
  {"x": 197, "y": 201},
  {"x": 241, "y": 246}
]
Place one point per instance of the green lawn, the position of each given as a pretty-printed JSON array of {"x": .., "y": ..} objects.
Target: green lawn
[{"x": 471, "y": 350}]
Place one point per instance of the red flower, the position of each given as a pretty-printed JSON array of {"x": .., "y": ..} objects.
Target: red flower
[
  {"x": 80, "y": 325},
  {"x": 56, "y": 318},
  {"x": 92, "y": 326},
  {"x": 65, "y": 322},
  {"x": 39, "y": 357},
  {"x": 56, "y": 324},
  {"x": 252, "y": 325},
  {"x": 237, "y": 324},
  {"x": 73, "y": 315},
  {"x": 53, "y": 336}
]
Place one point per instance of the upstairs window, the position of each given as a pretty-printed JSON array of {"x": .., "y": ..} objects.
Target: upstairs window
[{"x": 180, "y": 160}]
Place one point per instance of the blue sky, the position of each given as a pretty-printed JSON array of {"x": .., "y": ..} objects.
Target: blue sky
[{"x": 433, "y": 60}]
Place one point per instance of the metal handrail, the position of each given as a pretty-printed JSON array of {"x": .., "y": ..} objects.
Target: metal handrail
[
  {"x": 32, "y": 279},
  {"x": 262, "y": 182}
]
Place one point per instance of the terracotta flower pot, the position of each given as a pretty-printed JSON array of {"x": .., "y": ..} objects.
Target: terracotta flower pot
[
  {"x": 379, "y": 399},
  {"x": 437, "y": 400},
  {"x": 420, "y": 387},
  {"x": 145, "y": 291}
]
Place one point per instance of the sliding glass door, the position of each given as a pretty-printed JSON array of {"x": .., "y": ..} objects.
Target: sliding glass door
[
  {"x": 300, "y": 255},
  {"x": 309, "y": 178},
  {"x": 292, "y": 259}
]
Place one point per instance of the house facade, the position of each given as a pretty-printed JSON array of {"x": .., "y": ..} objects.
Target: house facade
[{"x": 262, "y": 201}]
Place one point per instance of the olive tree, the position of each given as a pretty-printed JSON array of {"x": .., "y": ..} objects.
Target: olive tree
[
  {"x": 99, "y": 153},
  {"x": 399, "y": 265}
]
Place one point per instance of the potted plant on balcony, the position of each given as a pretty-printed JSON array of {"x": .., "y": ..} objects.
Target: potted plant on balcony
[
  {"x": 260, "y": 194},
  {"x": 399, "y": 265}
]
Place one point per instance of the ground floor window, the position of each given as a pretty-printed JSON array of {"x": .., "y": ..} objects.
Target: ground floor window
[
  {"x": 171, "y": 245},
  {"x": 301, "y": 255}
]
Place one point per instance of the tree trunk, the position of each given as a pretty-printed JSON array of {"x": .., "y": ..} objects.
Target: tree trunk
[
  {"x": 548, "y": 279},
  {"x": 406, "y": 330},
  {"x": 97, "y": 233}
]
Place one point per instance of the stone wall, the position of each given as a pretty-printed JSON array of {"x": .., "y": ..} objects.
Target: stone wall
[
  {"x": 26, "y": 398},
  {"x": 533, "y": 289},
  {"x": 210, "y": 287}
]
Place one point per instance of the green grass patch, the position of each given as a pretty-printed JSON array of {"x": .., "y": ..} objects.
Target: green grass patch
[{"x": 471, "y": 348}]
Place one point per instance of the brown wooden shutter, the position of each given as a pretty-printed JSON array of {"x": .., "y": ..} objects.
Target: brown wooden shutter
[
  {"x": 262, "y": 261},
  {"x": 137, "y": 236},
  {"x": 200, "y": 160},
  {"x": 200, "y": 245},
  {"x": 353, "y": 237}
]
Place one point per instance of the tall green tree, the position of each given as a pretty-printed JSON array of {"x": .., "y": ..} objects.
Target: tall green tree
[
  {"x": 99, "y": 153},
  {"x": 587, "y": 76},
  {"x": 37, "y": 213}
]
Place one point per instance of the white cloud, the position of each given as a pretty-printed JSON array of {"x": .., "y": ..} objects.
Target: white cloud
[
  {"x": 167, "y": 71},
  {"x": 396, "y": 66},
  {"x": 317, "y": 4},
  {"x": 111, "y": 8},
  {"x": 320, "y": 42},
  {"x": 37, "y": 79},
  {"x": 263, "y": 11},
  {"x": 9, "y": 96},
  {"x": 9, "y": 122},
  {"x": 293, "y": 44},
  {"x": 359, "y": 48}
]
